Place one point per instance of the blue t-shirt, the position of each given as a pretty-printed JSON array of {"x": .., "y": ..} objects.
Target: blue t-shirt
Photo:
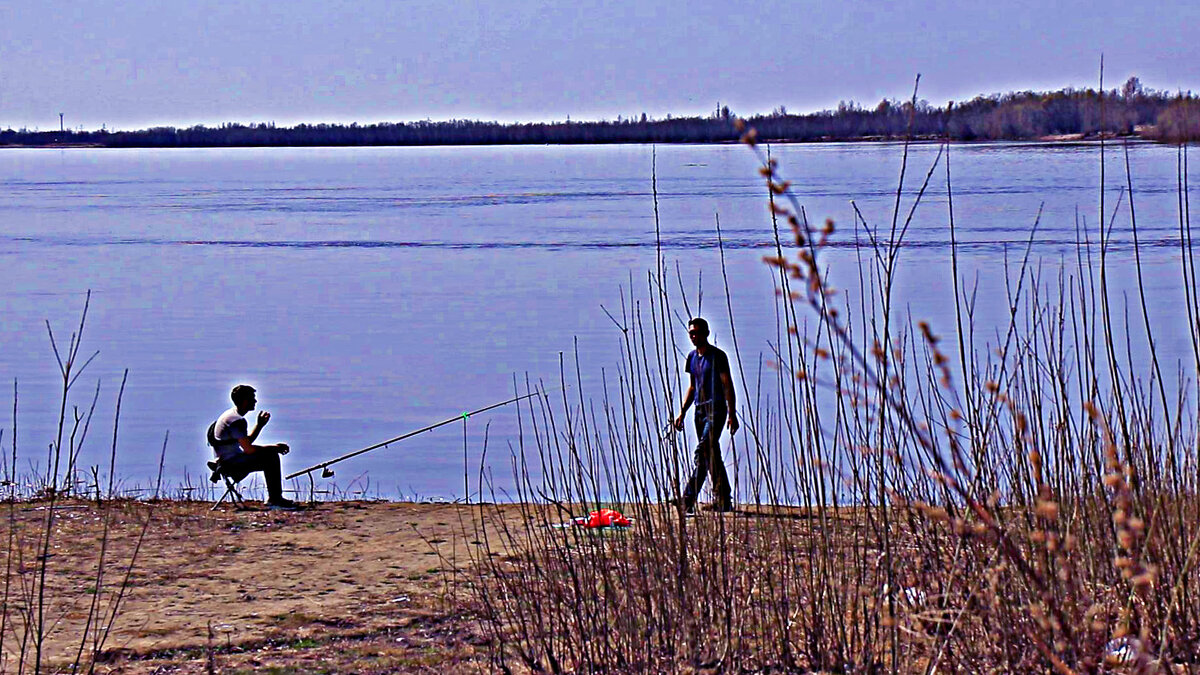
[{"x": 706, "y": 373}]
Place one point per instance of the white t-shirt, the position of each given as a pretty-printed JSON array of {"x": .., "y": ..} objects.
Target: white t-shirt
[{"x": 230, "y": 427}]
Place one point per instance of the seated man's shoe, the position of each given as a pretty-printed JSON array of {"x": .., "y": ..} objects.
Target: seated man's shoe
[
  {"x": 719, "y": 507},
  {"x": 282, "y": 504}
]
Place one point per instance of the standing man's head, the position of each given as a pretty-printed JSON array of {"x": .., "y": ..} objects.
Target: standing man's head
[
  {"x": 244, "y": 398},
  {"x": 698, "y": 332}
]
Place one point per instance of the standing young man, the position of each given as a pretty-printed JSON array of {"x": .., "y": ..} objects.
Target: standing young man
[
  {"x": 239, "y": 456},
  {"x": 711, "y": 389}
]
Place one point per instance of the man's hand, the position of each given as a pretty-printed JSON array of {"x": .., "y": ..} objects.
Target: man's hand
[
  {"x": 282, "y": 448},
  {"x": 263, "y": 418},
  {"x": 733, "y": 422},
  {"x": 678, "y": 423}
]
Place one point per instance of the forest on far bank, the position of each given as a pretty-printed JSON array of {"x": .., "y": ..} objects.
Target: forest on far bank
[{"x": 1132, "y": 110}]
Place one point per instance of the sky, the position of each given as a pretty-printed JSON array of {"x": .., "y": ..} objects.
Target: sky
[{"x": 128, "y": 64}]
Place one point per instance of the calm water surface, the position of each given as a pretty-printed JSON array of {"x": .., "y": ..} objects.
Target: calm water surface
[{"x": 370, "y": 291}]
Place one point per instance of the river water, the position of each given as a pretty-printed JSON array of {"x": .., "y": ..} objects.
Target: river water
[{"x": 369, "y": 291}]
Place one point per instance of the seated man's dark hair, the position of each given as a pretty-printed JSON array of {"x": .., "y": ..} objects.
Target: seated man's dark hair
[
  {"x": 241, "y": 393},
  {"x": 699, "y": 323}
]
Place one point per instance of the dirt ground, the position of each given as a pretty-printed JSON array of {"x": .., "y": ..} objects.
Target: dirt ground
[{"x": 344, "y": 587}]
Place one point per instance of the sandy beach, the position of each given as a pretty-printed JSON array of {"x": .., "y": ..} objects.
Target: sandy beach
[{"x": 361, "y": 587}]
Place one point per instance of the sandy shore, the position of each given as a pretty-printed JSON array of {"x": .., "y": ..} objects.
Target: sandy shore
[{"x": 341, "y": 587}]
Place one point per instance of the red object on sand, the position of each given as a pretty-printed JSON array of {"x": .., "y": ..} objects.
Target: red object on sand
[{"x": 603, "y": 518}]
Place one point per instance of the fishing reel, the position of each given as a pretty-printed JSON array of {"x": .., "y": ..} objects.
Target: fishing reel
[{"x": 326, "y": 472}]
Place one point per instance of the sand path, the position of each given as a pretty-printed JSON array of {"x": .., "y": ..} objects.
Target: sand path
[{"x": 269, "y": 584}]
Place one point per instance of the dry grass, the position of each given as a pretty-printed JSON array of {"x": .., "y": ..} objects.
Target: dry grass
[{"x": 1020, "y": 498}]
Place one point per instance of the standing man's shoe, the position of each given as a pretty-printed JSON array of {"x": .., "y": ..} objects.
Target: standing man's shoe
[
  {"x": 719, "y": 507},
  {"x": 688, "y": 508}
]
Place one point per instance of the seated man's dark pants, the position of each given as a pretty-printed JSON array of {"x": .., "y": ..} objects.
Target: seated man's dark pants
[
  {"x": 266, "y": 461},
  {"x": 708, "y": 458}
]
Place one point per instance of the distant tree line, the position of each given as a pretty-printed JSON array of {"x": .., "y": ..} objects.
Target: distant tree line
[{"x": 1132, "y": 110}]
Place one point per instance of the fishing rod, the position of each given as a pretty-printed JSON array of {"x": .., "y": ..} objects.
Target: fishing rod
[{"x": 326, "y": 472}]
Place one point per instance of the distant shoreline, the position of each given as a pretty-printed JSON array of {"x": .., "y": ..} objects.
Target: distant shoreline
[
  {"x": 1068, "y": 115},
  {"x": 1055, "y": 139}
]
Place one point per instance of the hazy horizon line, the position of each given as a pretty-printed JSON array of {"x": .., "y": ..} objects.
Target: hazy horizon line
[{"x": 484, "y": 118}]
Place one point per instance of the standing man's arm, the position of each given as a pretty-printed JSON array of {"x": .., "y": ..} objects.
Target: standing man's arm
[
  {"x": 730, "y": 399},
  {"x": 687, "y": 402}
]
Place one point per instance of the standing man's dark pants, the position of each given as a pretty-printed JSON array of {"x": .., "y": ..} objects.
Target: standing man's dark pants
[
  {"x": 266, "y": 461},
  {"x": 708, "y": 457}
]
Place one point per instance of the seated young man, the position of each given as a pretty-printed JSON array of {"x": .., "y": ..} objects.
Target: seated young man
[{"x": 237, "y": 453}]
